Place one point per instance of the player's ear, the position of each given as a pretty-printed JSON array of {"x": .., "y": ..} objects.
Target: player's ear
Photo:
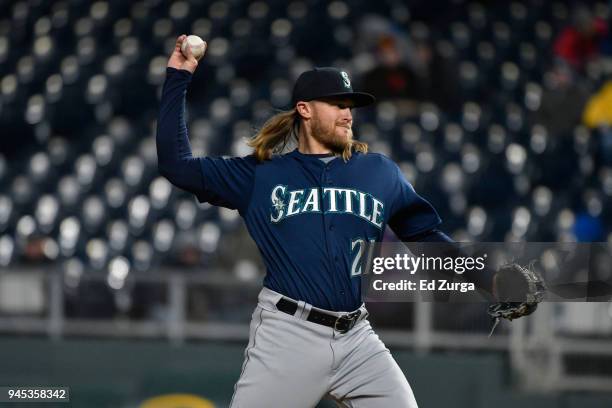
[{"x": 304, "y": 109}]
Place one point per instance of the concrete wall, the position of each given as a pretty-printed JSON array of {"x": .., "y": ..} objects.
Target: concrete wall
[{"x": 111, "y": 373}]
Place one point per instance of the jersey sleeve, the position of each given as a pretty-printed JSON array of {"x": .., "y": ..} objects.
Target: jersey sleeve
[
  {"x": 219, "y": 181},
  {"x": 410, "y": 213},
  {"x": 228, "y": 182}
]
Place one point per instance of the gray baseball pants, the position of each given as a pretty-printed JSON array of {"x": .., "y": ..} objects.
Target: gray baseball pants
[{"x": 293, "y": 363}]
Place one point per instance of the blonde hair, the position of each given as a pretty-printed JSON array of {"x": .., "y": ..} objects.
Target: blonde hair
[{"x": 276, "y": 133}]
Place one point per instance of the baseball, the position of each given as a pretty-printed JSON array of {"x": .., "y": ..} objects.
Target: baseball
[{"x": 197, "y": 45}]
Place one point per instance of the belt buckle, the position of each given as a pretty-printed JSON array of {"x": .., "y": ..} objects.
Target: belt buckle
[{"x": 351, "y": 318}]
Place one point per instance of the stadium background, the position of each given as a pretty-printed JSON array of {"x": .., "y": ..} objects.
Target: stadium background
[{"x": 120, "y": 286}]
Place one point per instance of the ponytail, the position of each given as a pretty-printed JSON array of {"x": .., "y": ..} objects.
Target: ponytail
[{"x": 275, "y": 134}]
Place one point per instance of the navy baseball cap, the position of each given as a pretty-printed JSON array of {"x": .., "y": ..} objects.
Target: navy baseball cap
[{"x": 327, "y": 82}]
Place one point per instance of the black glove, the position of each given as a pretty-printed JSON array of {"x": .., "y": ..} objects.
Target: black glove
[{"x": 518, "y": 291}]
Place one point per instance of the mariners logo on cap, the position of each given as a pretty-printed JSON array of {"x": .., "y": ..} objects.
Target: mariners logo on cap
[{"x": 346, "y": 80}]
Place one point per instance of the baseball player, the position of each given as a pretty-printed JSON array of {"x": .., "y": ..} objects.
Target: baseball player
[{"x": 310, "y": 212}]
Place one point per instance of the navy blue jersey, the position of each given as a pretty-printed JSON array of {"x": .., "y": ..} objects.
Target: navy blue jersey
[{"x": 310, "y": 219}]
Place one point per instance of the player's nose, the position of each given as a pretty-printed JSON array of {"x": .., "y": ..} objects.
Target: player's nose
[{"x": 346, "y": 121}]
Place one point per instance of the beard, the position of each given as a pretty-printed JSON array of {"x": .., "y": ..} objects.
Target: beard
[{"x": 334, "y": 137}]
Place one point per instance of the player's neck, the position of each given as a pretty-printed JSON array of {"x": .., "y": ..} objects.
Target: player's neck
[{"x": 308, "y": 145}]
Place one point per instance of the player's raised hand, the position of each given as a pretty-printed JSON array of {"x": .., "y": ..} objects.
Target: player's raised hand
[{"x": 180, "y": 61}]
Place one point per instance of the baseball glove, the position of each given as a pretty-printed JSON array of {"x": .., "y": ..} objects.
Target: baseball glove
[{"x": 518, "y": 291}]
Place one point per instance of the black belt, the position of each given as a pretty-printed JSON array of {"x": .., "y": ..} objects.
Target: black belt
[{"x": 341, "y": 324}]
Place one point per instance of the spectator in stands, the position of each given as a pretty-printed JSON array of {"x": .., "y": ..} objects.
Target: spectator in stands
[
  {"x": 392, "y": 78},
  {"x": 598, "y": 111},
  {"x": 579, "y": 43},
  {"x": 436, "y": 76},
  {"x": 563, "y": 101},
  {"x": 426, "y": 77},
  {"x": 598, "y": 115},
  {"x": 588, "y": 228}
]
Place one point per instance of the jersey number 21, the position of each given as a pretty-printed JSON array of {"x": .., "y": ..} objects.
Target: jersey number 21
[{"x": 358, "y": 246}]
